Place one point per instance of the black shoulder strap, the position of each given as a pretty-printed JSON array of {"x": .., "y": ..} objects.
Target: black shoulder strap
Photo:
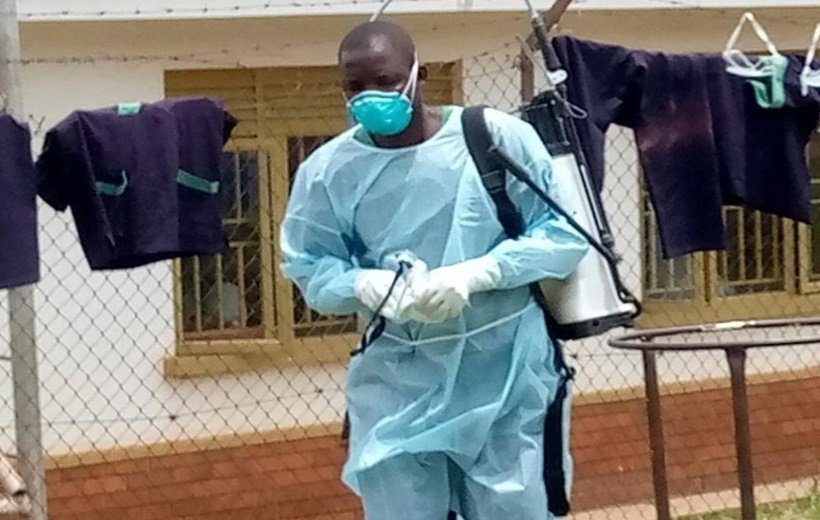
[{"x": 493, "y": 175}]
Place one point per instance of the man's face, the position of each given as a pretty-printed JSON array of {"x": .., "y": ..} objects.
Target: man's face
[{"x": 377, "y": 67}]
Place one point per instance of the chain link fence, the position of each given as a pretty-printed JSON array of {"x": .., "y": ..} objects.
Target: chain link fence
[{"x": 205, "y": 388}]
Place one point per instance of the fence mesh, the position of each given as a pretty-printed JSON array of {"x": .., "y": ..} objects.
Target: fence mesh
[{"x": 206, "y": 388}]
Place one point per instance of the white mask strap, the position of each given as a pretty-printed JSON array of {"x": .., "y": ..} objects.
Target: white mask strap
[
  {"x": 761, "y": 33},
  {"x": 412, "y": 80}
]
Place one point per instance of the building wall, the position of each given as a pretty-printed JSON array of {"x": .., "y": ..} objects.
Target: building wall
[
  {"x": 161, "y": 9},
  {"x": 102, "y": 337}
]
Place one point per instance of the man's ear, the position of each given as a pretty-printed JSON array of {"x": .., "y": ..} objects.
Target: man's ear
[{"x": 423, "y": 73}]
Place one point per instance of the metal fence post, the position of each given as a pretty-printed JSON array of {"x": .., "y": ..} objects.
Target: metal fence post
[{"x": 21, "y": 301}]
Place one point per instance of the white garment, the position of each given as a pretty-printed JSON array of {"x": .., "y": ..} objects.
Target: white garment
[{"x": 810, "y": 77}]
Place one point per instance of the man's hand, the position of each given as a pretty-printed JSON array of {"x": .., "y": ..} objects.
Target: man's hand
[
  {"x": 373, "y": 287},
  {"x": 444, "y": 292}
]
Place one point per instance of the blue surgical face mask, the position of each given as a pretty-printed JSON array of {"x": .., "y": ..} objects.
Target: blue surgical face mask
[{"x": 385, "y": 113}]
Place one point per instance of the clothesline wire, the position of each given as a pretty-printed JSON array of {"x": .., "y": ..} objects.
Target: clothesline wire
[
  {"x": 206, "y": 57},
  {"x": 290, "y": 4},
  {"x": 204, "y": 10},
  {"x": 724, "y": 11},
  {"x": 199, "y": 57},
  {"x": 228, "y": 59}
]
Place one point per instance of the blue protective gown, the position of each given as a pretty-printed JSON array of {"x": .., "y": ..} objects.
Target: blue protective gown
[{"x": 453, "y": 411}]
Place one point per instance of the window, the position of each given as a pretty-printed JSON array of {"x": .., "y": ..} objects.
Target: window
[
  {"x": 810, "y": 235},
  {"x": 771, "y": 268},
  {"x": 671, "y": 279},
  {"x": 235, "y": 311},
  {"x": 223, "y": 296},
  {"x": 753, "y": 260}
]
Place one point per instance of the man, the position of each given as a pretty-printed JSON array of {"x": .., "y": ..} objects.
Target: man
[{"x": 447, "y": 405}]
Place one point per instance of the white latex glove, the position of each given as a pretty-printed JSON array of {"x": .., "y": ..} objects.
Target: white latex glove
[
  {"x": 373, "y": 285},
  {"x": 444, "y": 292}
]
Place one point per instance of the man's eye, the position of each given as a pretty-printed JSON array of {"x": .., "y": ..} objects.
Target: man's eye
[
  {"x": 352, "y": 86},
  {"x": 385, "y": 81}
]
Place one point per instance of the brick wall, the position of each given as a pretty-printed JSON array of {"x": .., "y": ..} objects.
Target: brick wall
[{"x": 299, "y": 479}]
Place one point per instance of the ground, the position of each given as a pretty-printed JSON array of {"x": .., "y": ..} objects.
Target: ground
[{"x": 803, "y": 509}]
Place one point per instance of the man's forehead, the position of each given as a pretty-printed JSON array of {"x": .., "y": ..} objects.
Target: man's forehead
[
  {"x": 379, "y": 52},
  {"x": 377, "y": 41}
]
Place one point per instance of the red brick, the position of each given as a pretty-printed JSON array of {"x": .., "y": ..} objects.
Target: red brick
[
  {"x": 193, "y": 507},
  {"x": 103, "y": 485}
]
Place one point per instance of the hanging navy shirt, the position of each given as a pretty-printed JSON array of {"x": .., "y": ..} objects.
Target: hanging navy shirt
[
  {"x": 142, "y": 180},
  {"x": 116, "y": 169},
  {"x": 703, "y": 140},
  {"x": 19, "y": 256},
  {"x": 203, "y": 127}
]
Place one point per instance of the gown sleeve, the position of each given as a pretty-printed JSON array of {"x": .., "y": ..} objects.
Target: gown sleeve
[
  {"x": 315, "y": 254},
  {"x": 549, "y": 246}
]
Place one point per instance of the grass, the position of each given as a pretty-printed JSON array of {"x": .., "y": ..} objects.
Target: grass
[{"x": 803, "y": 509}]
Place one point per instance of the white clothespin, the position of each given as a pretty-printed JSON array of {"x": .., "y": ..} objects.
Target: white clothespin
[{"x": 737, "y": 62}]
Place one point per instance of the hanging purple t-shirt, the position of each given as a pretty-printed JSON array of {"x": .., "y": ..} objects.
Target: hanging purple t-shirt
[
  {"x": 142, "y": 180},
  {"x": 19, "y": 254},
  {"x": 703, "y": 140},
  {"x": 116, "y": 169},
  {"x": 204, "y": 126}
]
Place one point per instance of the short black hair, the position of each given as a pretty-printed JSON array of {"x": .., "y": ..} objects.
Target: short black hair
[{"x": 370, "y": 34}]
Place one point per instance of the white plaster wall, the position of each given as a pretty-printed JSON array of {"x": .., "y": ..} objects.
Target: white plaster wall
[
  {"x": 102, "y": 337},
  {"x": 203, "y": 9}
]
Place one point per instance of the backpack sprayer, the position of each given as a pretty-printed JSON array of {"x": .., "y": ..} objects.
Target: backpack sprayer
[{"x": 593, "y": 299}]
